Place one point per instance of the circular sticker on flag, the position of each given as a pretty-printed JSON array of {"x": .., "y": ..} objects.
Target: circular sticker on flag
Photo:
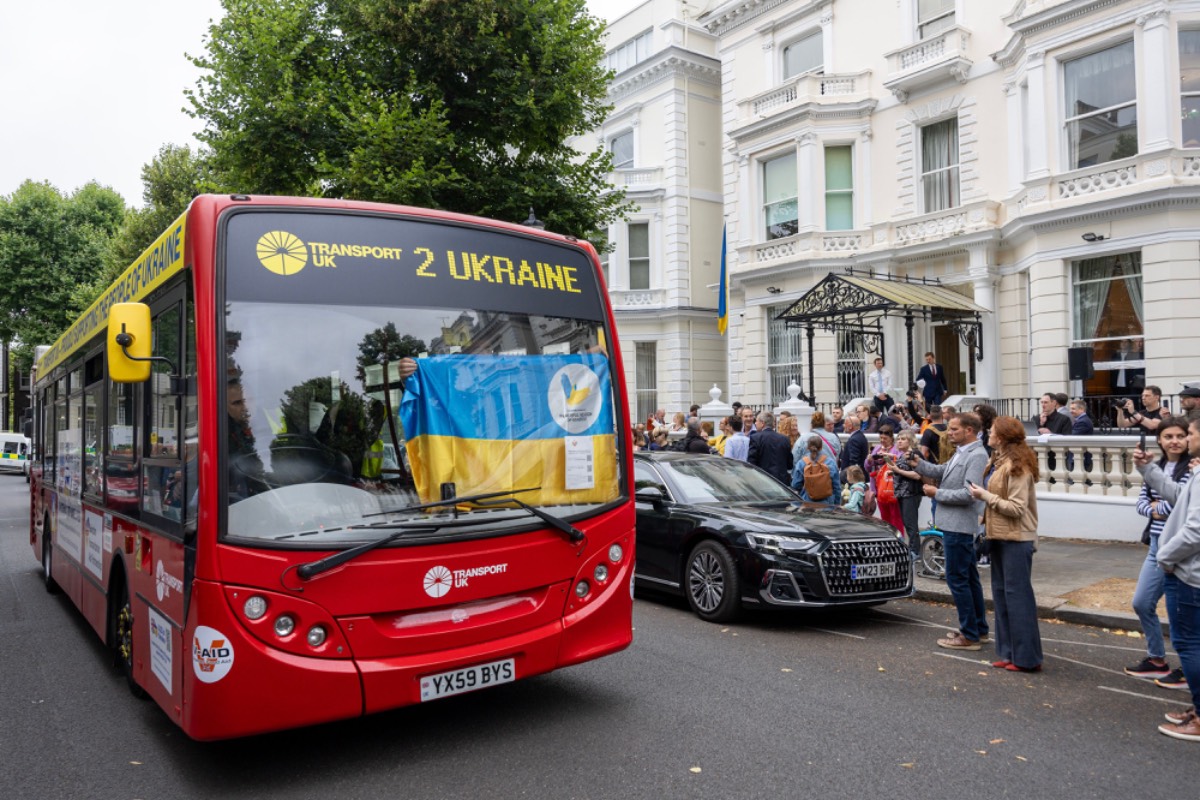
[{"x": 574, "y": 397}]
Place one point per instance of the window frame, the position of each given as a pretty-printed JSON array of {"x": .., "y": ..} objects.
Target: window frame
[
  {"x": 808, "y": 35},
  {"x": 941, "y": 17},
  {"x": 765, "y": 206},
  {"x": 643, "y": 395},
  {"x": 1071, "y": 160},
  {"x": 953, "y": 167},
  {"x": 780, "y": 334},
  {"x": 630, "y": 258},
  {"x": 1185, "y": 94},
  {"x": 612, "y": 141},
  {"x": 839, "y": 191}
]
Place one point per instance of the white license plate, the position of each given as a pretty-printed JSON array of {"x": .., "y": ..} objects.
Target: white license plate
[
  {"x": 467, "y": 679},
  {"x": 861, "y": 572}
]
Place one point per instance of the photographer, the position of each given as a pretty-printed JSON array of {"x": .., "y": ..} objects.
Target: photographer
[{"x": 1149, "y": 418}]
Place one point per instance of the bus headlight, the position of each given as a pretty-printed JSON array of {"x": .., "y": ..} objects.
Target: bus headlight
[
  {"x": 284, "y": 625},
  {"x": 255, "y": 607},
  {"x": 615, "y": 553},
  {"x": 601, "y": 573},
  {"x": 581, "y": 589},
  {"x": 316, "y": 636}
]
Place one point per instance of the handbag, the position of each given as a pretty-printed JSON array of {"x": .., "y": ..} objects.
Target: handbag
[{"x": 1146, "y": 532}]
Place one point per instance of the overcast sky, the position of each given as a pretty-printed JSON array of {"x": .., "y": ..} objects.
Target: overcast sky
[{"x": 91, "y": 90}]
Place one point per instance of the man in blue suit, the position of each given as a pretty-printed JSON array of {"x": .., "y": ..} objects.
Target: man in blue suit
[
  {"x": 1081, "y": 423},
  {"x": 934, "y": 389},
  {"x": 771, "y": 450}
]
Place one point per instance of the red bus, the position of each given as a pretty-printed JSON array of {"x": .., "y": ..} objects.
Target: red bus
[{"x": 312, "y": 459}]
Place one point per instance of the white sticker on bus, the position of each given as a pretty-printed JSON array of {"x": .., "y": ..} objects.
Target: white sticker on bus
[
  {"x": 93, "y": 525},
  {"x": 212, "y": 654},
  {"x": 161, "y": 656}
]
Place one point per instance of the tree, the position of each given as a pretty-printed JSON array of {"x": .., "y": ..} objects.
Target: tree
[
  {"x": 50, "y": 244},
  {"x": 466, "y": 105},
  {"x": 381, "y": 347}
]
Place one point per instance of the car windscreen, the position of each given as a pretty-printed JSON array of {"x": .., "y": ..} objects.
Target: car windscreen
[{"x": 710, "y": 479}]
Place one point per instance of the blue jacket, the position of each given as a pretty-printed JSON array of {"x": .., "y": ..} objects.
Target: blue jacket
[
  {"x": 834, "y": 499},
  {"x": 935, "y": 386},
  {"x": 1081, "y": 425},
  {"x": 772, "y": 452}
]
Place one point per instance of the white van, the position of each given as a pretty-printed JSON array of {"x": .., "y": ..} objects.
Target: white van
[{"x": 14, "y": 453}]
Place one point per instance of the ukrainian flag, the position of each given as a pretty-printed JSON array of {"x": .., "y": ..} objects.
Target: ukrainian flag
[
  {"x": 722, "y": 304},
  {"x": 495, "y": 423}
]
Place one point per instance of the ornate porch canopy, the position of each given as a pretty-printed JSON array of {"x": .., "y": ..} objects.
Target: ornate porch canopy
[{"x": 857, "y": 305}]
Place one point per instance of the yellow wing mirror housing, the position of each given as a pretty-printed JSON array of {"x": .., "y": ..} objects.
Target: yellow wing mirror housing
[{"x": 129, "y": 343}]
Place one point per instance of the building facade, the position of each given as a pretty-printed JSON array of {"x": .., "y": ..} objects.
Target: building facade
[{"x": 1044, "y": 161}]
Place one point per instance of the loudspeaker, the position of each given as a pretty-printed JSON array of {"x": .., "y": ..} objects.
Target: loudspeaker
[{"x": 1079, "y": 363}]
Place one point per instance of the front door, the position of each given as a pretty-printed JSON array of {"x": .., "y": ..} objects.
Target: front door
[{"x": 945, "y": 347}]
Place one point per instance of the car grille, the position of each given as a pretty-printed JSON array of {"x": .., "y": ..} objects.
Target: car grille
[{"x": 838, "y": 558}]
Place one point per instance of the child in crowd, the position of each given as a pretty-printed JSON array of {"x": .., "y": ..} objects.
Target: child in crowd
[{"x": 858, "y": 488}]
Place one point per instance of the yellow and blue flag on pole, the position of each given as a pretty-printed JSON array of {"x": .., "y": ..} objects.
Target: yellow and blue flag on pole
[
  {"x": 490, "y": 423},
  {"x": 722, "y": 303}
]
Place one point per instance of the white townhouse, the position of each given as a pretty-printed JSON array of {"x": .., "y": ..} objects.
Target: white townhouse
[{"x": 1039, "y": 159}]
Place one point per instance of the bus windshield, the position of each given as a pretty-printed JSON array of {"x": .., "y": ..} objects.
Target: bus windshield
[{"x": 344, "y": 410}]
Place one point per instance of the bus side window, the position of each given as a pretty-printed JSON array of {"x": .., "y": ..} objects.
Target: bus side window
[{"x": 121, "y": 466}]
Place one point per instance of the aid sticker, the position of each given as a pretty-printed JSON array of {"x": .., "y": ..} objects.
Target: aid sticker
[{"x": 212, "y": 654}]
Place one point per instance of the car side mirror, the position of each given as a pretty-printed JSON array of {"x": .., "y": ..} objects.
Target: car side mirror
[{"x": 650, "y": 494}]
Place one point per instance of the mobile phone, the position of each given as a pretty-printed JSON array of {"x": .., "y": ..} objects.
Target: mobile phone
[{"x": 1142, "y": 442}]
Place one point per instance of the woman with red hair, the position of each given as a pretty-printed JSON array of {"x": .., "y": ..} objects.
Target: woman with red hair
[{"x": 1010, "y": 524}]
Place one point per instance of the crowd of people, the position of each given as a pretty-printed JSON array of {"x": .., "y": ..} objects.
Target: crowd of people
[{"x": 980, "y": 474}]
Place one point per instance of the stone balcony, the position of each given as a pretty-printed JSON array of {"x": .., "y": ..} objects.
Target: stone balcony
[
  {"x": 813, "y": 244},
  {"x": 1113, "y": 179},
  {"x": 938, "y": 59},
  {"x": 635, "y": 299},
  {"x": 805, "y": 89},
  {"x": 638, "y": 180}
]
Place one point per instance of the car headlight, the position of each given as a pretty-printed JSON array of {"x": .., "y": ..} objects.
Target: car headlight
[{"x": 781, "y": 544}]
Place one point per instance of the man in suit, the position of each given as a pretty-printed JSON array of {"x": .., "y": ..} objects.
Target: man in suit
[
  {"x": 958, "y": 518},
  {"x": 855, "y": 450},
  {"x": 1081, "y": 423},
  {"x": 1051, "y": 420},
  {"x": 934, "y": 389},
  {"x": 770, "y": 450}
]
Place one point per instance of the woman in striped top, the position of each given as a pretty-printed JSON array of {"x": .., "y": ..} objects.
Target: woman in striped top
[{"x": 1172, "y": 440}]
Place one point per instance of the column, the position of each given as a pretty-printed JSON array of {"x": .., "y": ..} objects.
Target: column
[
  {"x": 1159, "y": 97},
  {"x": 987, "y": 371},
  {"x": 1037, "y": 126},
  {"x": 809, "y": 183},
  {"x": 1016, "y": 142}
]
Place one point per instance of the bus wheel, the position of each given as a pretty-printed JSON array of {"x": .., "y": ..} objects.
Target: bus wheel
[
  {"x": 122, "y": 627},
  {"x": 47, "y": 559}
]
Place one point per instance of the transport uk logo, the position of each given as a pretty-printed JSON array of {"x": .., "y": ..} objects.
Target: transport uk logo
[
  {"x": 282, "y": 253},
  {"x": 164, "y": 582},
  {"x": 439, "y": 579}
]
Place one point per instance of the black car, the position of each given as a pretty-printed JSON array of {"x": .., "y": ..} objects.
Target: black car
[{"x": 725, "y": 534}]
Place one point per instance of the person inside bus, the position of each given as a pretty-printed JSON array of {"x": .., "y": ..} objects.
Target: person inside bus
[{"x": 245, "y": 467}]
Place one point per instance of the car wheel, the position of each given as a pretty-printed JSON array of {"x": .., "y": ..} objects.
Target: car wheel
[
  {"x": 713, "y": 587},
  {"x": 122, "y": 627},
  {"x": 48, "y": 561},
  {"x": 933, "y": 555}
]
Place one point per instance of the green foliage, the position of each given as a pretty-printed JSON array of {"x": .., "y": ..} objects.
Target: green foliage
[
  {"x": 50, "y": 246},
  {"x": 466, "y": 105}
]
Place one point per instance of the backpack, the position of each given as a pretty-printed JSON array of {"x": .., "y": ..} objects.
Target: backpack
[
  {"x": 818, "y": 483},
  {"x": 945, "y": 448},
  {"x": 886, "y": 484},
  {"x": 868, "y": 504}
]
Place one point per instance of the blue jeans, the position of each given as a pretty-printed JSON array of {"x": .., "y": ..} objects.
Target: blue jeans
[
  {"x": 1183, "y": 612},
  {"x": 1017, "y": 636},
  {"x": 1145, "y": 601},
  {"x": 963, "y": 580}
]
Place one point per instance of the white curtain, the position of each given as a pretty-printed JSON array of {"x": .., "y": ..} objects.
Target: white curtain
[
  {"x": 939, "y": 165},
  {"x": 1133, "y": 285},
  {"x": 1091, "y": 296}
]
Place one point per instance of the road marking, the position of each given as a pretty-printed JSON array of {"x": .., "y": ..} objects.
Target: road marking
[
  {"x": 1090, "y": 644},
  {"x": 917, "y": 620},
  {"x": 1085, "y": 664},
  {"x": 975, "y": 661},
  {"x": 841, "y": 633},
  {"x": 1170, "y": 700}
]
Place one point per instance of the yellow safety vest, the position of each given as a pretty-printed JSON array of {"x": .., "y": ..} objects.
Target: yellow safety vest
[{"x": 372, "y": 467}]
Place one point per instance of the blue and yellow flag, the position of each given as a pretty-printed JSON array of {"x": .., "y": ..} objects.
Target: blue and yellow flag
[
  {"x": 722, "y": 290},
  {"x": 495, "y": 423}
]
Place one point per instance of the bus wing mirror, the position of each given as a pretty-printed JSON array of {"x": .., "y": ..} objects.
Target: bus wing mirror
[{"x": 129, "y": 343}]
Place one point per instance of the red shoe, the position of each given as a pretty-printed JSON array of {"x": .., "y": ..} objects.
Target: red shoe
[
  {"x": 1002, "y": 664},
  {"x": 1015, "y": 668}
]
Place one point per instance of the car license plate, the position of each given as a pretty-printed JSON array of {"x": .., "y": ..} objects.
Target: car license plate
[
  {"x": 860, "y": 572},
  {"x": 467, "y": 679}
]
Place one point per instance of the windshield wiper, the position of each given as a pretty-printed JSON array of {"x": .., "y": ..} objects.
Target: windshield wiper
[
  {"x": 314, "y": 568},
  {"x": 574, "y": 535}
]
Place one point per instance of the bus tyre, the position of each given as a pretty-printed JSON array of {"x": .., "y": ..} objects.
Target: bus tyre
[
  {"x": 47, "y": 561},
  {"x": 712, "y": 583},
  {"x": 122, "y": 627}
]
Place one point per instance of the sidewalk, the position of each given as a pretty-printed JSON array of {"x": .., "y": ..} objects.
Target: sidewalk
[{"x": 1106, "y": 571}]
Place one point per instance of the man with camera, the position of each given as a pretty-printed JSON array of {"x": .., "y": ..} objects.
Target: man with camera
[{"x": 1149, "y": 418}]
